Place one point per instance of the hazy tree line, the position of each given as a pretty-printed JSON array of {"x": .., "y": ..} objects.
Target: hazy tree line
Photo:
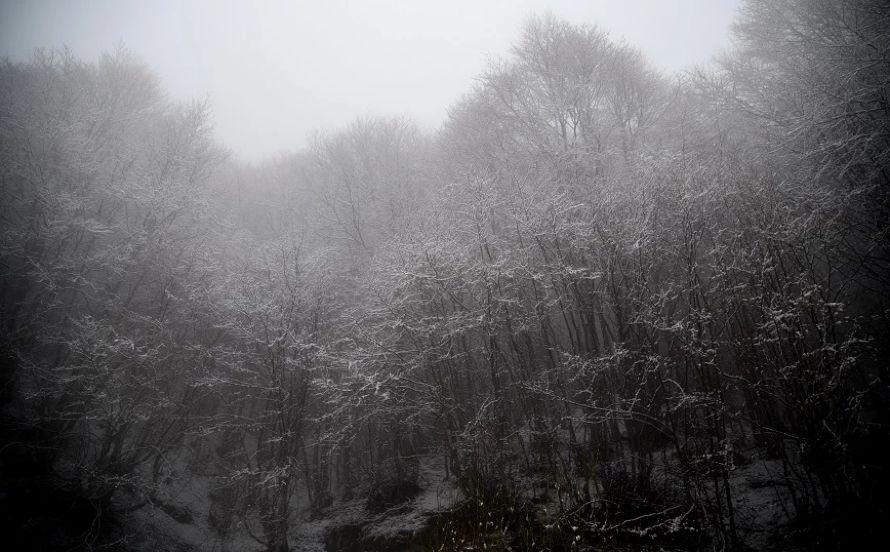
[{"x": 595, "y": 279}]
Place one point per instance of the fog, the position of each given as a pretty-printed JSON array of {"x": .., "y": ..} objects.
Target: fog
[
  {"x": 274, "y": 71},
  {"x": 386, "y": 276}
]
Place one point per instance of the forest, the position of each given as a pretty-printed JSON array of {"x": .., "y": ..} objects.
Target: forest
[{"x": 600, "y": 308}]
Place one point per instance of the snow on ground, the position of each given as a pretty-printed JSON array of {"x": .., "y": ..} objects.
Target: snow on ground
[
  {"x": 437, "y": 494},
  {"x": 762, "y": 503},
  {"x": 180, "y": 520}
]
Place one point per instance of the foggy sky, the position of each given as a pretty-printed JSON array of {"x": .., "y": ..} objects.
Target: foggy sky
[{"x": 273, "y": 71}]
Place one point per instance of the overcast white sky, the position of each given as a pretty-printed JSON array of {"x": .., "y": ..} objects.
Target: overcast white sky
[{"x": 276, "y": 70}]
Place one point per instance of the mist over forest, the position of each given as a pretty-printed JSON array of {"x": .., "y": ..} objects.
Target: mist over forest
[{"x": 602, "y": 307}]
